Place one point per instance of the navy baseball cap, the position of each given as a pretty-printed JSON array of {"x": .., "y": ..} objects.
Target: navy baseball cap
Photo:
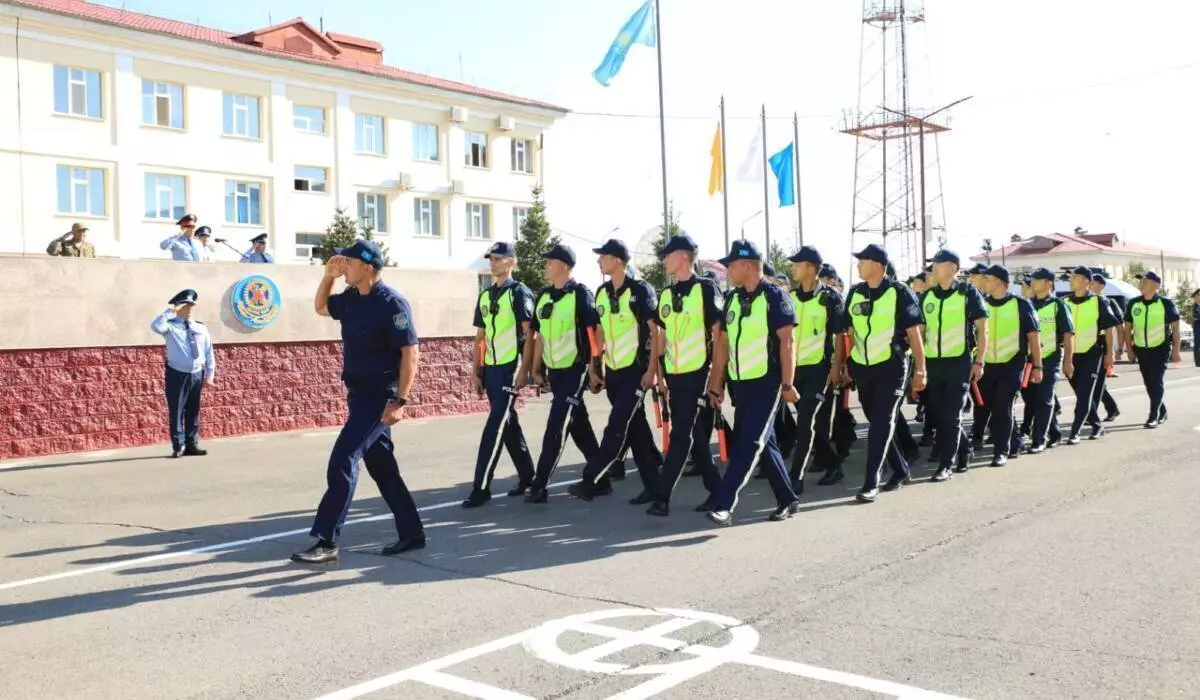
[
  {"x": 501, "y": 249},
  {"x": 874, "y": 253},
  {"x": 187, "y": 296},
  {"x": 613, "y": 247},
  {"x": 808, "y": 254},
  {"x": 679, "y": 242},
  {"x": 1042, "y": 273},
  {"x": 946, "y": 256},
  {"x": 1000, "y": 272},
  {"x": 769, "y": 270},
  {"x": 561, "y": 253},
  {"x": 1152, "y": 276},
  {"x": 364, "y": 250},
  {"x": 741, "y": 250},
  {"x": 1083, "y": 271},
  {"x": 978, "y": 269},
  {"x": 1097, "y": 277},
  {"x": 827, "y": 270}
]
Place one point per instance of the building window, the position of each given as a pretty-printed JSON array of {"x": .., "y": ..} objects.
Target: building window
[
  {"x": 477, "y": 149},
  {"x": 162, "y": 104},
  {"x": 241, "y": 116},
  {"x": 522, "y": 156},
  {"x": 478, "y": 220},
  {"x": 77, "y": 92},
  {"x": 80, "y": 191},
  {"x": 426, "y": 219},
  {"x": 243, "y": 203},
  {"x": 485, "y": 283},
  {"x": 368, "y": 134},
  {"x": 425, "y": 142},
  {"x": 372, "y": 210},
  {"x": 310, "y": 179},
  {"x": 308, "y": 245},
  {"x": 520, "y": 215},
  {"x": 166, "y": 197},
  {"x": 310, "y": 120}
]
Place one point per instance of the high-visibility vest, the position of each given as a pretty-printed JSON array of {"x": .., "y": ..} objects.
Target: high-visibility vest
[
  {"x": 945, "y": 324},
  {"x": 810, "y": 335},
  {"x": 500, "y": 328},
  {"x": 686, "y": 338},
  {"x": 1149, "y": 323},
  {"x": 620, "y": 328},
  {"x": 1004, "y": 332},
  {"x": 749, "y": 337},
  {"x": 557, "y": 326},
  {"x": 1086, "y": 315},
  {"x": 1048, "y": 327},
  {"x": 873, "y": 327}
]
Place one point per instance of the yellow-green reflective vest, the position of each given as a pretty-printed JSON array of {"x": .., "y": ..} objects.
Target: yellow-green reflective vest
[
  {"x": 1004, "y": 332},
  {"x": 1048, "y": 327},
  {"x": 686, "y": 338},
  {"x": 1149, "y": 323},
  {"x": 873, "y": 326},
  {"x": 620, "y": 328},
  {"x": 499, "y": 328},
  {"x": 945, "y": 324},
  {"x": 749, "y": 338},
  {"x": 557, "y": 326},
  {"x": 1086, "y": 315},
  {"x": 811, "y": 330}
]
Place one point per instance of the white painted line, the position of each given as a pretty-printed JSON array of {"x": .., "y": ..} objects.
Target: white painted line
[
  {"x": 841, "y": 678},
  {"x": 470, "y": 688}
]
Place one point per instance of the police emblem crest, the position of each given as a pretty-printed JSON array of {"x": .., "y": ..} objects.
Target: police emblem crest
[
  {"x": 1137, "y": 310},
  {"x": 929, "y": 308},
  {"x": 664, "y": 311},
  {"x": 400, "y": 321},
  {"x": 729, "y": 316},
  {"x": 600, "y": 309},
  {"x": 256, "y": 301}
]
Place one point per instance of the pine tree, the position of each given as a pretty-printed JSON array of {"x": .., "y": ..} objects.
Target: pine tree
[
  {"x": 342, "y": 232},
  {"x": 656, "y": 273},
  {"x": 779, "y": 260},
  {"x": 535, "y": 238}
]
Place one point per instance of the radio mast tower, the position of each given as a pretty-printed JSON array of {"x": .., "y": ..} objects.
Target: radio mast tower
[{"x": 897, "y": 178}]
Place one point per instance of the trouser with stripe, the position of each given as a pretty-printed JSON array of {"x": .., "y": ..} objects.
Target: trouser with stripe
[
  {"x": 502, "y": 429},
  {"x": 999, "y": 386},
  {"x": 814, "y": 421},
  {"x": 183, "y": 391},
  {"x": 1041, "y": 397},
  {"x": 691, "y": 433},
  {"x": 757, "y": 401},
  {"x": 1089, "y": 368},
  {"x": 627, "y": 427},
  {"x": 880, "y": 393},
  {"x": 949, "y": 384},
  {"x": 568, "y": 417},
  {"x": 1152, "y": 362}
]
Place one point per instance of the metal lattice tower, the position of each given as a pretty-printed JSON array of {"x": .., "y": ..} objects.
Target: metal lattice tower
[{"x": 896, "y": 154}]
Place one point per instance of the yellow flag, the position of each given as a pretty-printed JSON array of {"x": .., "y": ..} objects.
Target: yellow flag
[{"x": 716, "y": 175}]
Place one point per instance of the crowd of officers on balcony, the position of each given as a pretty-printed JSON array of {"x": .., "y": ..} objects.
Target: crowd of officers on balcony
[{"x": 191, "y": 244}]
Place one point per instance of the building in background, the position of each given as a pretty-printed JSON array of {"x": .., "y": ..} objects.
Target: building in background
[{"x": 125, "y": 121}]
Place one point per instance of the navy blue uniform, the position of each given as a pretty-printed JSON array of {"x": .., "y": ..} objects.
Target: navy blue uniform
[
  {"x": 1152, "y": 362},
  {"x": 1044, "y": 423},
  {"x": 1001, "y": 381},
  {"x": 377, "y": 328},
  {"x": 814, "y": 410},
  {"x": 948, "y": 380},
  {"x": 1103, "y": 395},
  {"x": 503, "y": 427},
  {"x": 1195, "y": 334},
  {"x": 1088, "y": 377}
]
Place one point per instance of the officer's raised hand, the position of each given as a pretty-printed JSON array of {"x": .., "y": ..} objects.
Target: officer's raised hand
[
  {"x": 336, "y": 266},
  {"x": 392, "y": 414}
]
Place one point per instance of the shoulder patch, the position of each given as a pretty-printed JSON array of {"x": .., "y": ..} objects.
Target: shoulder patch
[{"x": 400, "y": 321}]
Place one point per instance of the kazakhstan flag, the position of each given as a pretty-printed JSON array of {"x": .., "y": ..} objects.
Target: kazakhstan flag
[{"x": 638, "y": 30}]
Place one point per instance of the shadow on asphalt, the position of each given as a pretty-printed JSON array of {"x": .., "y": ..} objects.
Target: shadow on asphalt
[{"x": 80, "y": 463}]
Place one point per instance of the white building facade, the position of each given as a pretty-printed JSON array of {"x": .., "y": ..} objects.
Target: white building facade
[{"x": 125, "y": 129}]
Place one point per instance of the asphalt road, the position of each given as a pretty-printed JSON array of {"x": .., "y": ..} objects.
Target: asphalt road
[{"x": 1069, "y": 574}]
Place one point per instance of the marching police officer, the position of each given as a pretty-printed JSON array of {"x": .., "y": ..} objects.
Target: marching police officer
[
  {"x": 190, "y": 366},
  {"x": 1196, "y": 326},
  {"x": 689, "y": 312},
  {"x": 627, "y": 335},
  {"x": 564, "y": 324},
  {"x": 258, "y": 251},
  {"x": 1013, "y": 342},
  {"x": 1057, "y": 341},
  {"x": 379, "y": 363},
  {"x": 955, "y": 324},
  {"x": 756, "y": 355},
  {"x": 1093, "y": 319},
  {"x": 183, "y": 246},
  {"x": 884, "y": 321},
  {"x": 980, "y": 413},
  {"x": 1097, "y": 284},
  {"x": 503, "y": 314},
  {"x": 1150, "y": 316},
  {"x": 844, "y": 424}
]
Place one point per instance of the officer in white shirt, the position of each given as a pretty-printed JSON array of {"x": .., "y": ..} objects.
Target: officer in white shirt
[{"x": 190, "y": 366}]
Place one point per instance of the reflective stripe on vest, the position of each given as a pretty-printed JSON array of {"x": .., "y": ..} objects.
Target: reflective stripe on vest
[
  {"x": 1004, "y": 332},
  {"x": 810, "y": 334},
  {"x": 560, "y": 347},
  {"x": 1048, "y": 327},
  {"x": 499, "y": 329},
  {"x": 686, "y": 339},
  {"x": 873, "y": 327},
  {"x": 1149, "y": 323},
  {"x": 1086, "y": 315},
  {"x": 945, "y": 325},
  {"x": 749, "y": 339},
  {"x": 620, "y": 329}
]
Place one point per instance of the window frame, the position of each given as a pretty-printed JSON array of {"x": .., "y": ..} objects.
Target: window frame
[
  {"x": 297, "y": 178},
  {"x": 176, "y": 210},
  {"x": 420, "y": 139},
  {"x": 361, "y": 123},
  {"x": 470, "y": 137},
  {"x": 376, "y": 202},
  {"x": 483, "y": 215},
  {"x": 63, "y": 73},
  {"x": 435, "y": 217},
  {"x": 230, "y": 110},
  {"x": 73, "y": 183},
  {"x": 150, "y": 90},
  {"x": 526, "y": 153},
  {"x": 296, "y": 117},
  {"x": 251, "y": 186}
]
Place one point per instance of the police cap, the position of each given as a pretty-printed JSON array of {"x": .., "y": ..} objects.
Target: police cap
[
  {"x": 945, "y": 255},
  {"x": 187, "y": 296},
  {"x": 501, "y": 249},
  {"x": 615, "y": 248},
  {"x": 187, "y": 219},
  {"x": 1042, "y": 273},
  {"x": 204, "y": 231},
  {"x": 1000, "y": 272},
  {"x": 741, "y": 249},
  {"x": 807, "y": 254},
  {"x": 679, "y": 242},
  {"x": 260, "y": 238},
  {"x": 364, "y": 250},
  {"x": 1152, "y": 276},
  {"x": 561, "y": 253},
  {"x": 874, "y": 253}
]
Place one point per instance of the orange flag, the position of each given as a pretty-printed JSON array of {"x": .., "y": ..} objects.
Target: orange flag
[{"x": 716, "y": 174}]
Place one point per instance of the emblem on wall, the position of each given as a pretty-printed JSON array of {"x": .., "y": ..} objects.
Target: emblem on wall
[{"x": 256, "y": 301}]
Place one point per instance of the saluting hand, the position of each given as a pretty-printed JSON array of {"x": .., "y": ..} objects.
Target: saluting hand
[
  {"x": 336, "y": 266},
  {"x": 392, "y": 414}
]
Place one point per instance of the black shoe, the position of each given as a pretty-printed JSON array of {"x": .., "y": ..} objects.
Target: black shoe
[
  {"x": 583, "y": 491},
  {"x": 1054, "y": 440},
  {"x": 518, "y": 490},
  {"x": 404, "y": 544},
  {"x": 831, "y": 477},
  {"x": 1097, "y": 431},
  {"x": 660, "y": 509},
  {"x": 193, "y": 451},
  {"x": 1037, "y": 449},
  {"x": 320, "y": 553},
  {"x": 603, "y": 488},
  {"x": 1073, "y": 440},
  {"x": 708, "y": 505},
  {"x": 176, "y": 452},
  {"x": 721, "y": 517},
  {"x": 536, "y": 495},
  {"x": 642, "y": 499},
  {"x": 1112, "y": 416},
  {"x": 1162, "y": 414},
  {"x": 476, "y": 499},
  {"x": 784, "y": 512},
  {"x": 999, "y": 460},
  {"x": 1151, "y": 424}
]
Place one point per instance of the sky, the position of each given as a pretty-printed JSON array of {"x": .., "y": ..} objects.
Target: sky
[{"x": 1075, "y": 119}]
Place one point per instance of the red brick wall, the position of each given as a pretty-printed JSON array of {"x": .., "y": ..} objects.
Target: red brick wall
[{"x": 76, "y": 400}]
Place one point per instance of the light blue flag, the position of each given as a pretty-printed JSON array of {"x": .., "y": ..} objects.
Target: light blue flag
[
  {"x": 638, "y": 30},
  {"x": 781, "y": 165}
]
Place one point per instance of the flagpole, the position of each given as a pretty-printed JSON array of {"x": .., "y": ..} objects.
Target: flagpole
[
  {"x": 724, "y": 174},
  {"x": 766, "y": 186},
  {"x": 796, "y": 159},
  {"x": 662, "y": 120}
]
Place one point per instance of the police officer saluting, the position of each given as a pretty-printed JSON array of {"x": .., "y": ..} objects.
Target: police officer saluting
[
  {"x": 564, "y": 320},
  {"x": 258, "y": 251},
  {"x": 379, "y": 364},
  {"x": 627, "y": 335},
  {"x": 757, "y": 356},
  {"x": 1147, "y": 322},
  {"x": 190, "y": 366},
  {"x": 1093, "y": 320},
  {"x": 1013, "y": 342},
  {"x": 1057, "y": 334},
  {"x": 503, "y": 315}
]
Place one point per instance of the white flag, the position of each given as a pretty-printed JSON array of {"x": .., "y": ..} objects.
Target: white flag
[{"x": 751, "y": 169}]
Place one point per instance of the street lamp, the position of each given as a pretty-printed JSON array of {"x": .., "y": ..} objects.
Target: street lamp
[{"x": 747, "y": 220}]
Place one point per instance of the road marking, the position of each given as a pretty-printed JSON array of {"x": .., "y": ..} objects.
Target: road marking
[{"x": 542, "y": 642}]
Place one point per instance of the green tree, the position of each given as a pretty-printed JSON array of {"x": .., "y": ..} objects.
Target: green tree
[
  {"x": 779, "y": 260},
  {"x": 656, "y": 273},
  {"x": 1183, "y": 300},
  {"x": 535, "y": 238},
  {"x": 342, "y": 232},
  {"x": 1135, "y": 268}
]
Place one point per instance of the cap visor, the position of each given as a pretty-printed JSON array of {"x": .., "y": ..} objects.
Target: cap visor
[
  {"x": 598, "y": 251},
  {"x": 726, "y": 261}
]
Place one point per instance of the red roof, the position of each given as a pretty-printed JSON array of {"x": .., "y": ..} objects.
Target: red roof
[
  {"x": 183, "y": 30},
  {"x": 1070, "y": 244}
]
